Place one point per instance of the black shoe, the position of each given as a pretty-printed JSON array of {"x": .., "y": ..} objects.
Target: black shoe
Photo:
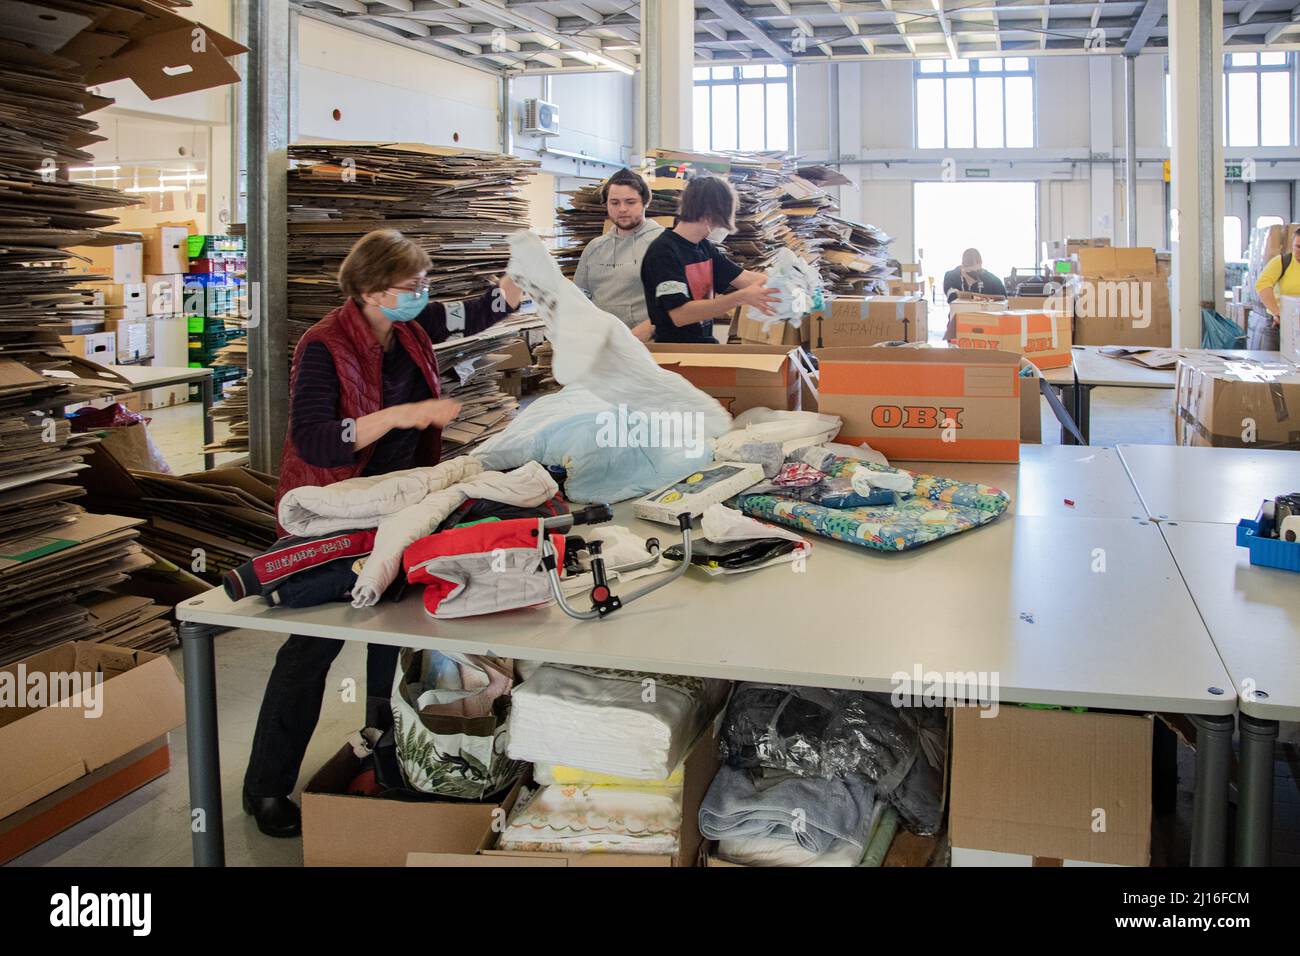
[{"x": 275, "y": 816}]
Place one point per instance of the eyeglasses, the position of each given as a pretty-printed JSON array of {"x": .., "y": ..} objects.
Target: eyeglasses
[{"x": 419, "y": 286}]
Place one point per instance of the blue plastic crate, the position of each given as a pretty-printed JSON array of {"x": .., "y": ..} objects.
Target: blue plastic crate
[{"x": 1268, "y": 552}]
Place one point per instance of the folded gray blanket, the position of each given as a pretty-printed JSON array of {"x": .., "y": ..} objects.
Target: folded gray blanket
[{"x": 812, "y": 810}]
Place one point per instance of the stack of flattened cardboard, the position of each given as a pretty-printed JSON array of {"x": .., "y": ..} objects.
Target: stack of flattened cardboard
[
  {"x": 459, "y": 205},
  {"x": 207, "y": 522},
  {"x": 471, "y": 369},
  {"x": 233, "y": 407},
  {"x": 59, "y": 565}
]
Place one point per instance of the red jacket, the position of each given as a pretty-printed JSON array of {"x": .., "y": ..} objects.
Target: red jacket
[{"x": 359, "y": 360}]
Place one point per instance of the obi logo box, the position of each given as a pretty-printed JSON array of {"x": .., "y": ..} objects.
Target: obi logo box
[{"x": 1041, "y": 337}]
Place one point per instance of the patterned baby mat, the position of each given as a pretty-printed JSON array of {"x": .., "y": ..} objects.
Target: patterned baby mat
[{"x": 937, "y": 508}]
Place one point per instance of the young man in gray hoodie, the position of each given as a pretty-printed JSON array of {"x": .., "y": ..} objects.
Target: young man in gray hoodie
[{"x": 610, "y": 268}]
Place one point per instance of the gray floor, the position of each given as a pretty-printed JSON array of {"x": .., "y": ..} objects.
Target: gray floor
[{"x": 151, "y": 826}]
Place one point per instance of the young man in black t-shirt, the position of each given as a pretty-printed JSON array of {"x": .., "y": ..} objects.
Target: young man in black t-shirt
[{"x": 682, "y": 271}]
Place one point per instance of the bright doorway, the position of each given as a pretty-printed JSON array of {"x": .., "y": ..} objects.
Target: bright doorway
[{"x": 998, "y": 219}]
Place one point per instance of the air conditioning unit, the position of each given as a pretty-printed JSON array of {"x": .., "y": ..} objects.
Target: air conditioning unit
[{"x": 541, "y": 118}]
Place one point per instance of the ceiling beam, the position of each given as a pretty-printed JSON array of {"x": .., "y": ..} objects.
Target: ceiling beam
[
  {"x": 733, "y": 18},
  {"x": 533, "y": 20},
  {"x": 1282, "y": 28},
  {"x": 1143, "y": 26},
  {"x": 1248, "y": 11}
]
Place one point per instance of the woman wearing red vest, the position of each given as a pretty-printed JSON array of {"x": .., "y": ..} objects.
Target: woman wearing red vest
[{"x": 364, "y": 400}]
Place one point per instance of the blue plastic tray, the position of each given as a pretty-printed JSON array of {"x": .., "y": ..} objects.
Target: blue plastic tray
[{"x": 1269, "y": 552}]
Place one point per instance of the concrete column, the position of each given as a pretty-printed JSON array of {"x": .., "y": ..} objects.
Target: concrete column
[
  {"x": 846, "y": 79},
  {"x": 1196, "y": 163},
  {"x": 666, "y": 77},
  {"x": 1101, "y": 146}
]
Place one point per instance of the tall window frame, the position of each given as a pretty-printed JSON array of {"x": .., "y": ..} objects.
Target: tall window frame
[
  {"x": 1257, "y": 64},
  {"x": 990, "y": 73},
  {"x": 724, "y": 104}
]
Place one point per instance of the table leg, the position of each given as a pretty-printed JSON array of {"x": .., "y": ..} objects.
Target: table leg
[
  {"x": 1083, "y": 412},
  {"x": 1210, "y": 801},
  {"x": 202, "y": 749},
  {"x": 205, "y": 393},
  {"x": 1255, "y": 786}
]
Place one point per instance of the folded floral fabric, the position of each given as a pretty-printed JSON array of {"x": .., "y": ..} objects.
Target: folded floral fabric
[
  {"x": 812, "y": 811},
  {"x": 549, "y": 773},
  {"x": 797, "y": 475},
  {"x": 937, "y": 508},
  {"x": 565, "y": 819},
  {"x": 626, "y": 723}
]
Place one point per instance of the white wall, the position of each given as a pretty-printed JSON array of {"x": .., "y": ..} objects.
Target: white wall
[{"x": 1059, "y": 163}]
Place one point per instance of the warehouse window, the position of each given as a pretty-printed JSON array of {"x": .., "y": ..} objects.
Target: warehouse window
[
  {"x": 974, "y": 104},
  {"x": 742, "y": 107},
  {"x": 1257, "y": 99}
]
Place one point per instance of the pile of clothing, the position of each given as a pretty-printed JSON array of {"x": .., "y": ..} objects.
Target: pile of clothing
[
  {"x": 812, "y": 776},
  {"x": 608, "y": 748},
  {"x": 347, "y": 540}
]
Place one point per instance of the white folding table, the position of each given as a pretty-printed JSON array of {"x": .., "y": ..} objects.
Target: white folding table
[
  {"x": 1063, "y": 607},
  {"x": 144, "y": 377},
  {"x": 1223, "y": 485}
]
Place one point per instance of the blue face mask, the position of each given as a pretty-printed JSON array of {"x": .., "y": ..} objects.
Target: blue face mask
[{"x": 409, "y": 305}]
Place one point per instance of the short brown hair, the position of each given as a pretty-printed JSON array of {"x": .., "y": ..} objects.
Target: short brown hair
[
  {"x": 708, "y": 199},
  {"x": 626, "y": 177},
  {"x": 379, "y": 259}
]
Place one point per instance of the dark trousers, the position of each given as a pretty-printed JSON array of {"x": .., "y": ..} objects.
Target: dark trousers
[{"x": 291, "y": 708}]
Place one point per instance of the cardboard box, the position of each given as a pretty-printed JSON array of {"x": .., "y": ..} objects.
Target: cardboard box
[
  {"x": 48, "y": 747},
  {"x": 171, "y": 349},
  {"x": 1028, "y": 785},
  {"x": 1261, "y": 334},
  {"x": 1225, "y": 403},
  {"x": 1063, "y": 249},
  {"x": 701, "y": 766},
  {"x": 166, "y": 250},
  {"x": 134, "y": 339},
  {"x": 99, "y": 347},
  {"x": 343, "y": 830},
  {"x": 1121, "y": 298},
  {"x": 165, "y": 295},
  {"x": 1041, "y": 337},
  {"x": 1289, "y": 333},
  {"x": 122, "y": 264},
  {"x": 751, "y": 331},
  {"x": 126, "y": 301},
  {"x": 899, "y": 399},
  {"x": 1037, "y": 303},
  {"x": 738, "y": 376},
  {"x": 861, "y": 321}
]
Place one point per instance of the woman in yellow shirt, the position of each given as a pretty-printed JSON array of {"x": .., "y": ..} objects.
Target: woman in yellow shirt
[{"x": 1274, "y": 281}]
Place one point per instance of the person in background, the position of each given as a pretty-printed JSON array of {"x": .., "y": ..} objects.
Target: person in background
[
  {"x": 971, "y": 276},
  {"x": 363, "y": 400},
  {"x": 609, "y": 271},
  {"x": 683, "y": 271},
  {"x": 1279, "y": 277}
]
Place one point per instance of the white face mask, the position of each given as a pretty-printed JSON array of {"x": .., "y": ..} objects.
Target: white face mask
[{"x": 717, "y": 235}]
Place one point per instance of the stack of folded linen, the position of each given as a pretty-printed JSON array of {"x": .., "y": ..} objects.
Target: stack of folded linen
[
  {"x": 625, "y": 723},
  {"x": 571, "y": 818},
  {"x": 775, "y": 818}
]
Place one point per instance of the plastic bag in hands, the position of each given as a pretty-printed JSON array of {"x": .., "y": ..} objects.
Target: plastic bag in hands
[
  {"x": 815, "y": 732},
  {"x": 799, "y": 288},
  {"x": 576, "y": 430},
  {"x": 597, "y": 351}
]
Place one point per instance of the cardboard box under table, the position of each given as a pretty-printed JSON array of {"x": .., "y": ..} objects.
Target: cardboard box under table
[
  {"x": 899, "y": 401},
  {"x": 738, "y": 376},
  {"x": 61, "y": 764},
  {"x": 1236, "y": 404},
  {"x": 700, "y": 767},
  {"x": 1041, "y": 337},
  {"x": 1034, "y": 787}
]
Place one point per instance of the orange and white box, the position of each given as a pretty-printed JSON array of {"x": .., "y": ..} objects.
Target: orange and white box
[
  {"x": 1042, "y": 337},
  {"x": 920, "y": 404}
]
